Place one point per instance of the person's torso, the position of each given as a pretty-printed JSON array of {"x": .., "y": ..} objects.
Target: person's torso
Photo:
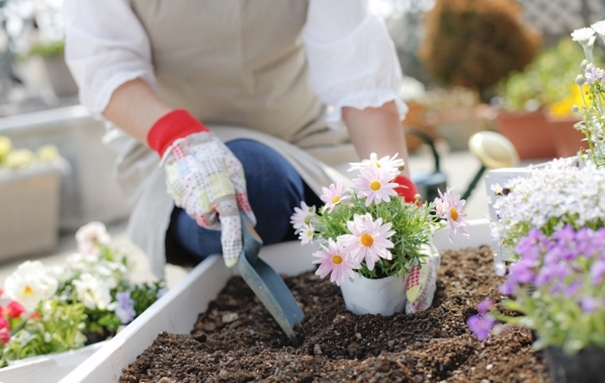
[{"x": 234, "y": 62}]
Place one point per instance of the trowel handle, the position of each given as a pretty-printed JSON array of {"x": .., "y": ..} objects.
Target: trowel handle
[{"x": 252, "y": 242}]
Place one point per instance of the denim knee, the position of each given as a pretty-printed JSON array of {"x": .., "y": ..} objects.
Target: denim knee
[{"x": 274, "y": 188}]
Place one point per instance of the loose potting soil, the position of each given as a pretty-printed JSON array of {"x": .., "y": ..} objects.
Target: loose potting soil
[{"x": 237, "y": 340}]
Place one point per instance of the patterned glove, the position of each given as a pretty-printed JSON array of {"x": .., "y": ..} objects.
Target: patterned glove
[
  {"x": 203, "y": 177},
  {"x": 421, "y": 284}
]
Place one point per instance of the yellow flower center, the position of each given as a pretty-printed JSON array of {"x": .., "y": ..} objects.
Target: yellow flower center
[
  {"x": 454, "y": 214},
  {"x": 337, "y": 259},
  {"x": 366, "y": 239},
  {"x": 375, "y": 185},
  {"x": 336, "y": 199},
  {"x": 28, "y": 290},
  {"x": 310, "y": 233}
]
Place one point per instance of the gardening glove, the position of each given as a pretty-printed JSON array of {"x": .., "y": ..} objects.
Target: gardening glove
[
  {"x": 421, "y": 284},
  {"x": 203, "y": 177},
  {"x": 407, "y": 190}
]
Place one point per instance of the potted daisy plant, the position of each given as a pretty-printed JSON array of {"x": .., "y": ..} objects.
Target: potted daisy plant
[{"x": 374, "y": 243}]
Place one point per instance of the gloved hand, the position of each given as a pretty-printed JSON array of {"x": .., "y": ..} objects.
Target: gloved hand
[
  {"x": 422, "y": 282},
  {"x": 203, "y": 177}
]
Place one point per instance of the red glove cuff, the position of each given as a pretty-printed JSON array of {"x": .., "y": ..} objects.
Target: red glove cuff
[
  {"x": 170, "y": 127},
  {"x": 408, "y": 189}
]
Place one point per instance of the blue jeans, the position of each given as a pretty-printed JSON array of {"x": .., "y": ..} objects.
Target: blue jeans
[{"x": 274, "y": 190}]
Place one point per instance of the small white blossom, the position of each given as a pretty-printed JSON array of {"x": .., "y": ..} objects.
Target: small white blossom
[
  {"x": 557, "y": 193},
  {"x": 29, "y": 284},
  {"x": 92, "y": 292},
  {"x": 599, "y": 27},
  {"x": 582, "y": 35}
]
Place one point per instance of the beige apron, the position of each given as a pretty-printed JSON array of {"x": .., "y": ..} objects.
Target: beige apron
[{"x": 240, "y": 67}]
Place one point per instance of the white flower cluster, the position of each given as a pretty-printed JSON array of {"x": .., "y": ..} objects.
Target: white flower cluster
[
  {"x": 555, "y": 194},
  {"x": 92, "y": 275}
]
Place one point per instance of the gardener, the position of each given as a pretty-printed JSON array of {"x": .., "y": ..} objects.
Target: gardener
[{"x": 212, "y": 100}]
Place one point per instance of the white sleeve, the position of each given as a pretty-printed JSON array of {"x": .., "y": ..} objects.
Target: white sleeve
[
  {"x": 105, "y": 46},
  {"x": 352, "y": 58}
]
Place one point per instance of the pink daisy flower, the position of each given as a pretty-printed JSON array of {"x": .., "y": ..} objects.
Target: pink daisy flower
[
  {"x": 449, "y": 207},
  {"x": 332, "y": 261},
  {"x": 333, "y": 196},
  {"x": 368, "y": 240},
  {"x": 306, "y": 234},
  {"x": 302, "y": 216},
  {"x": 390, "y": 165},
  {"x": 375, "y": 184}
]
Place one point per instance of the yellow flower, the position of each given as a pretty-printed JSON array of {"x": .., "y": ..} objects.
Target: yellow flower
[
  {"x": 48, "y": 153},
  {"x": 562, "y": 108},
  {"x": 5, "y": 146},
  {"x": 18, "y": 158}
]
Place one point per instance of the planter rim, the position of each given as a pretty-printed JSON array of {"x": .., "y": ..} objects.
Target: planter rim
[{"x": 32, "y": 121}]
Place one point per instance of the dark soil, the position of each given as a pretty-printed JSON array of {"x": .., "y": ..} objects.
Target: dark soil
[{"x": 237, "y": 340}]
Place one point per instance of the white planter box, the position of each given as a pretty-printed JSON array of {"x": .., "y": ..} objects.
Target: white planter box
[
  {"x": 47, "y": 368},
  {"x": 90, "y": 191},
  {"x": 29, "y": 209},
  {"x": 178, "y": 310}
]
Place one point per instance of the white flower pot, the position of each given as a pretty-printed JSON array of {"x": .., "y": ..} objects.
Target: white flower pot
[{"x": 385, "y": 296}]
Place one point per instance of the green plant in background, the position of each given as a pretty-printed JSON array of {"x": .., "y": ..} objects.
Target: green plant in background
[
  {"x": 50, "y": 49},
  {"x": 476, "y": 43},
  {"x": 547, "y": 81}
]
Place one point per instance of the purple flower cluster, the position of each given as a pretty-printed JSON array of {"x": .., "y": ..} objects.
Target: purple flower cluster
[
  {"x": 561, "y": 264},
  {"x": 482, "y": 323},
  {"x": 570, "y": 265},
  {"x": 125, "y": 307}
]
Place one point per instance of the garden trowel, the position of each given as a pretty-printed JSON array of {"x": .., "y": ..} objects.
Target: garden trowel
[{"x": 266, "y": 283}]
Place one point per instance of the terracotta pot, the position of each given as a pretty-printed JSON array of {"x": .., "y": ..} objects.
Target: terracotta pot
[
  {"x": 585, "y": 366},
  {"x": 385, "y": 296},
  {"x": 529, "y": 132},
  {"x": 566, "y": 139}
]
